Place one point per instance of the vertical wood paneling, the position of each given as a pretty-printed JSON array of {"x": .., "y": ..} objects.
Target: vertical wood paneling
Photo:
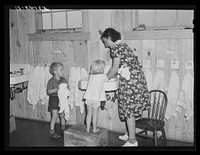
[
  {"x": 41, "y": 110},
  {"x": 72, "y": 118},
  {"x": 80, "y": 53},
  {"x": 22, "y": 36},
  {"x": 15, "y": 53},
  {"x": 68, "y": 56},
  {"x": 117, "y": 21},
  {"x": 136, "y": 46},
  {"x": 148, "y": 53},
  {"x": 128, "y": 23}
]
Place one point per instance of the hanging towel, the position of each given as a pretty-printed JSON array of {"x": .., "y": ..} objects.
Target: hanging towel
[
  {"x": 63, "y": 94},
  {"x": 76, "y": 94},
  {"x": 159, "y": 81},
  {"x": 33, "y": 86},
  {"x": 84, "y": 74},
  {"x": 72, "y": 83},
  {"x": 148, "y": 76},
  {"x": 172, "y": 95},
  {"x": 48, "y": 76},
  {"x": 95, "y": 89},
  {"x": 186, "y": 95},
  {"x": 42, "y": 89}
]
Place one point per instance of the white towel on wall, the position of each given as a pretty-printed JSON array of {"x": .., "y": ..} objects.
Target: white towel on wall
[
  {"x": 37, "y": 85},
  {"x": 72, "y": 83},
  {"x": 84, "y": 74},
  {"x": 186, "y": 95},
  {"x": 172, "y": 95},
  {"x": 63, "y": 94},
  {"x": 159, "y": 81},
  {"x": 42, "y": 88},
  {"x": 76, "y": 95},
  {"x": 33, "y": 86}
]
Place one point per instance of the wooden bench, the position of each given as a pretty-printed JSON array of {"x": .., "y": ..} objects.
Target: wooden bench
[{"x": 77, "y": 136}]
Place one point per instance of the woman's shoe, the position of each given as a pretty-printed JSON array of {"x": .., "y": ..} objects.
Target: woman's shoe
[
  {"x": 124, "y": 137},
  {"x": 130, "y": 144}
]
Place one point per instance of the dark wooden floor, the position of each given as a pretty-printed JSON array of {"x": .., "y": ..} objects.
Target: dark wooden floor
[{"x": 31, "y": 133}]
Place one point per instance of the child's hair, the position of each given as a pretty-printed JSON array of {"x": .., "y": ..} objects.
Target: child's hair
[
  {"x": 54, "y": 66},
  {"x": 97, "y": 67}
]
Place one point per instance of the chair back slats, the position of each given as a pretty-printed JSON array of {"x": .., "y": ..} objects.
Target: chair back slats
[
  {"x": 158, "y": 101},
  {"x": 157, "y": 112}
]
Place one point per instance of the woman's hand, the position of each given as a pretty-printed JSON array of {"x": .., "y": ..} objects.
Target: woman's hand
[{"x": 113, "y": 70}]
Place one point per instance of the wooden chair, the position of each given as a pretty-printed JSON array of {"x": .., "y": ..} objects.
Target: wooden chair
[{"x": 154, "y": 122}]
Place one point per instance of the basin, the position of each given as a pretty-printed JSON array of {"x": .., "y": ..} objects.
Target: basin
[
  {"x": 111, "y": 85},
  {"x": 15, "y": 79},
  {"x": 19, "y": 78}
]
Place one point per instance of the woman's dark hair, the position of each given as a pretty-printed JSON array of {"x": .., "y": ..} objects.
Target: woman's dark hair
[{"x": 112, "y": 33}]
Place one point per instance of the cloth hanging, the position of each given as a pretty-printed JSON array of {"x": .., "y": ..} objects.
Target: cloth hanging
[
  {"x": 63, "y": 94},
  {"x": 172, "y": 95},
  {"x": 186, "y": 95},
  {"x": 159, "y": 81},
  {"x": 83, "y": 74},
  {"x": 37, "y": 85},
  {"x": 72, "y": 83},
  {"x": 33, "y": 86},
  {"x": 76, "y": 94}
]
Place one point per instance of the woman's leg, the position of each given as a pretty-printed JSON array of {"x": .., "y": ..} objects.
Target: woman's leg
[
  {"x": 88, "y": 117},
  {"x": 131, "y": 129},
  {"x": 95, "y": 119}
]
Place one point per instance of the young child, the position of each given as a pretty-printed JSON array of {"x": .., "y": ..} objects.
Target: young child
[
  {"x": 95, "y": 93},
  {"x": 56, "y": 69}
]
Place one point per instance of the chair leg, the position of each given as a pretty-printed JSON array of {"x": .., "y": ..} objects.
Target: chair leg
[
  {"x": 155, "y": 138},
  {"x": 163, "y": 134},
  {"x": 146, "y": 132}
]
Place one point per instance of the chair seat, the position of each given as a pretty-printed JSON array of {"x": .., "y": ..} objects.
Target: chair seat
[{"x": 150, "y": 124}]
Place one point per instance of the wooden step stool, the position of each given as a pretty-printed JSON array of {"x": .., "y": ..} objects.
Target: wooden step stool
[{"x": 77, "y": 136}]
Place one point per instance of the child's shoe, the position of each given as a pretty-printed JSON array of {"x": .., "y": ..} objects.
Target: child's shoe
[{"x": 55, "y": 136}]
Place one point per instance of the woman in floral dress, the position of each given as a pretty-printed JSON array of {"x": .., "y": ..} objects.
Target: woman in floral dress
[{"x": 133, "y": 94}]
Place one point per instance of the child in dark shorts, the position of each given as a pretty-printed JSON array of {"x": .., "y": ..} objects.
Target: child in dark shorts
[{"x": 56, "y": 69}]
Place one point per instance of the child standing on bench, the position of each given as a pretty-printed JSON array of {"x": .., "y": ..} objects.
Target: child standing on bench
[{"x": 95, "y": 93}]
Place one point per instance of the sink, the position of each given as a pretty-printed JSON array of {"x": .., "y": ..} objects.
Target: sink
[
  {"x": 18, "y": 78},
  {"x": 111, "y": 85},
  {"x": 15, "y": 79}
]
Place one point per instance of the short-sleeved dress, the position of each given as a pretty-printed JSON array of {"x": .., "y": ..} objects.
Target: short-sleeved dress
[{"x": 133, "y": 94}]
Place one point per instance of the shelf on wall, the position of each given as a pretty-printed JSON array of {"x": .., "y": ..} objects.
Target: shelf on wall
[
  {"x": 59, "y": 36},
  {"x": 158, "y": 34}
]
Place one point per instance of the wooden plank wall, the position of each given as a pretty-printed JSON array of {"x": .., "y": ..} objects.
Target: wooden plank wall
[{"x": 83, "y": 53}]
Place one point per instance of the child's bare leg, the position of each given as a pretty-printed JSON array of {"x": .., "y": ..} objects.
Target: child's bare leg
[
  {"x": 53, "y": 120},
  {"x": 62, "y": 120},
  {"x": 88, "y": 118},
  {"x": 95, "y": 119}
]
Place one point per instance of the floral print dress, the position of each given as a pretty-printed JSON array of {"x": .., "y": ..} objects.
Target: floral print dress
[{"x": 133, "y": 94}]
